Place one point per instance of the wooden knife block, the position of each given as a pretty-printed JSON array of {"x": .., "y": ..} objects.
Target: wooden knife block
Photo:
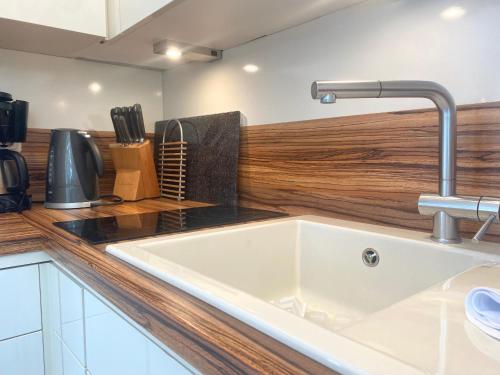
[{"x": 135, "y": 171}]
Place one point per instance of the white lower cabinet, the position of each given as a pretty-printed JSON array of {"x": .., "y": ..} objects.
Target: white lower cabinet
[
  {"x": 114, "y": 346},
  {"x": 71, "y": 307},
  {"x": 21, "y": 346},
  {"x": 62, "y": 317},
  {"x": 70, "y": 364},
  {"x": 53, "y": 354},
  {"x": 19, "y": 301},
  {"x": 22, "y": 355},
  {"x": 84, "y": 336},
  {"x": 160, "y": 363},
  {"x": 51, "y": 319}
]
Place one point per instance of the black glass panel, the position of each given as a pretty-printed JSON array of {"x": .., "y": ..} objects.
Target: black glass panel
[{"x": 127, "y": 227}]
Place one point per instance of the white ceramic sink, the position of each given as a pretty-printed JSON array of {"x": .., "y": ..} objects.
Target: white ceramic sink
[{"x": 303, "y": 279}]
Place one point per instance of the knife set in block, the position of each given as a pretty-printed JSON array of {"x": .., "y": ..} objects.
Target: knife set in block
[
  {"x": 135, "y": 171},
  {"x": 132, "y": 156},
  {"x": 129, "y": 124}
]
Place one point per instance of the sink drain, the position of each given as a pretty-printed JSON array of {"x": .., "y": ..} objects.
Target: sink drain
[{"x": 370, "y": 257}]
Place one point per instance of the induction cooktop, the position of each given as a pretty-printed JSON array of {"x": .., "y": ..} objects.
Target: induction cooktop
[{"x": 128, "y": 227}]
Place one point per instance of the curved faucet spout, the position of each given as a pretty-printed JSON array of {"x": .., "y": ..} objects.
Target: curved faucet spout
[
  {"x": 447, "y": 124},
  {"x": 445, "y": 227},
  {"x": 329, "y": 91}
]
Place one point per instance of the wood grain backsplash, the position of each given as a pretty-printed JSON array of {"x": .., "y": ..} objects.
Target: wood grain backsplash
[{"x": 368, "y": 168}]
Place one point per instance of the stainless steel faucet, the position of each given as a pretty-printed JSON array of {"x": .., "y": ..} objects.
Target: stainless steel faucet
[{"x": 446, "y": 208}]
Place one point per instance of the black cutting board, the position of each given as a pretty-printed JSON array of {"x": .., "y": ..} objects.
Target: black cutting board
[{"x": 212, "y": 155}]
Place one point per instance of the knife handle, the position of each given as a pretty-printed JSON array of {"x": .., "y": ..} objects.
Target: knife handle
[
  {"x": 135, "y": 126},
  {"x": 140, "y": 121},
  {"x": 114, "y": 114},
  {"x": 127, "y": 139},
  {"x": 126, "y": 121}
]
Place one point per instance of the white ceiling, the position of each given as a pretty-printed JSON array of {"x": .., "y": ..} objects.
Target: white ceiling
[{"x": 219, "y": 24}]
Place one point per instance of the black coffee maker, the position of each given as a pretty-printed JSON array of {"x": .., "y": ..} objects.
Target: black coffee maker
[{"x": 14, "y": 178}]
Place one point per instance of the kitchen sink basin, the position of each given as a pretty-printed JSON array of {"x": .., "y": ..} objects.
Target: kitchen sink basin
[{"x": 302, "y": 279}]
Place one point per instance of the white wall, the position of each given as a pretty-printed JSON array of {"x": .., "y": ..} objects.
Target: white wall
[
  {"x": 60, "y": 95},
  {"x": 377, "y": 40}
]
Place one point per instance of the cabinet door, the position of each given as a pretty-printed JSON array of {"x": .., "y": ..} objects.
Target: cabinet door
[
  {"x": 22, "y": 355},
  {"x": 52, "y": 353},
  {"x": 113, "y": 346},
  {"x": 123, "y": 14},
  {"x": 83, "y": 335},
  {"x": 88, "y": 17},
  {"x": 71, "y": 299},
  {"x": 62, "y": 316},
  {"x": 19, "y": 301},
  {"x": 161, "y": 363},
  {"x": 51, "y": 319},
  {"x": 71, "y": 365}
]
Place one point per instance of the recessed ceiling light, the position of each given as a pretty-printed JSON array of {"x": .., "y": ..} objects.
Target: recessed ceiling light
[
  {"x": 95, "y": 87},
  {"x": 452, "y": 13},
  {"x": 251, "y": 68},
  {"x": 173, "y": 53}
]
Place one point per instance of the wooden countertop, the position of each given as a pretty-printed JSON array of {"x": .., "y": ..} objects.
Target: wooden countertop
[
  {"x": 18, "y": 236},
  {"x": 212, "y": 341}
]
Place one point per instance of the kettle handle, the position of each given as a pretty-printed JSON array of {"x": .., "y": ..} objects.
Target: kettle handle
[
  {"x": 96, "y": 154},
  {"x": 23, "y": 183}
]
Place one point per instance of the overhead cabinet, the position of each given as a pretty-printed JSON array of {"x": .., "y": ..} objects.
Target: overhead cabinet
[
  {"x": 124, "y": 31},
  {"x": 87, "y": 17},
  {"x": 123, "y": 14},
  {"x": 52, "y": 27},
  {"x": 136, "y": 26}
]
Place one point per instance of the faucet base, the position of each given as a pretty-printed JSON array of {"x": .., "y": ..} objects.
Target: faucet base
[
  {"x": 445, "y": 229},
  {"x": 445, "y": 241}
]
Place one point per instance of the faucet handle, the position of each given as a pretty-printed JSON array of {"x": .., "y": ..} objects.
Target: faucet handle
[
  {"x": 485, "y": 209},
  {"x": 488, "y": 210},
  {"x": 484, "y": 228}
]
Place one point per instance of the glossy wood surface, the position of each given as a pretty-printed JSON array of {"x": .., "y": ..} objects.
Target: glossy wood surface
[
  {"x": 368, "y": 168},
  {"x": 18, "y": 236},
  {"x": 210, "y": 340}
]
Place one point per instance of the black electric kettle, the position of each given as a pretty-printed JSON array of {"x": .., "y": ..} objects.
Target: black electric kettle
[{"x": 73, "y": 170}]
